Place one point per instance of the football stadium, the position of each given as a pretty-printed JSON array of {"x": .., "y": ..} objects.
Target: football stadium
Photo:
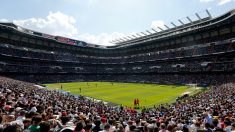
[{"x": 176, "y": 79}]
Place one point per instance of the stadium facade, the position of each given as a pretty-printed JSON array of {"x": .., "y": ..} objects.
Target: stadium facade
[{"x": 200, "y": 52}]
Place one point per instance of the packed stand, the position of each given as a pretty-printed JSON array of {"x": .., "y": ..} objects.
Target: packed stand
[{"x": 25, "y": 107}]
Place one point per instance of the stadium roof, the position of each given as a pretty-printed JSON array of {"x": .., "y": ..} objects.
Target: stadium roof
[{"x": 143, "y": 36}]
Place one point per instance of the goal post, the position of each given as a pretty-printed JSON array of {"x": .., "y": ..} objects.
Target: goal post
[{"x": 192, "y": 85}]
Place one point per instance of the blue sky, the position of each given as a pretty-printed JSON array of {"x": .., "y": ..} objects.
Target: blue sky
[{"x": 100, "y": 21}]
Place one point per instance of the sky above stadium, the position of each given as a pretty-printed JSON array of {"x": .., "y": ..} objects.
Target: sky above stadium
[{"x": 100, "y": 21}]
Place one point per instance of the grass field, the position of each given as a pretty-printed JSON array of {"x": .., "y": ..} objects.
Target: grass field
[{"x": 125, "y": 93}]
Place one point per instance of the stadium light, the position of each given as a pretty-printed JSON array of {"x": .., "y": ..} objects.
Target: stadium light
[
  {"x": 118, "y": 41},
  {"x": 189, "y": 19},
  {"x": 122, "y": 39},
  {"x": 208, "y": 13},
  {"x": 115, "y": 40},
  {"x": 143, "y": 33},
  {"x": 198, "y": 16},
  {"x": 154, "y": 30},
  {"x": 181, "y": 22},
  {"x": 129, "y": 37},
  {"x": 173, "y": 24},
  {"x": 125, "y": 38},
  {"x": 166, "y": 26},
  {"x": 160, "y": 28},
  {"x": 148, "y": 31},
  {"x": 112, "y": 42},
  {"x": 134, "y": 36},
  {"x": 139, "y": 35}
]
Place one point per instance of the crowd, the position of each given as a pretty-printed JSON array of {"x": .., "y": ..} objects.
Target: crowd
[
  {"x": 27, "y": 108},
  {"x": 204, "y": 57}
]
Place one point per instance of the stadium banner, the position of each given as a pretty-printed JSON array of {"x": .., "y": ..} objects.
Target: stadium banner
[
  {"x": 66, "y": 40},
  {"x": 62, "y": 39},
  {"x": 72, "y": 42},
  {"x": 48, "y": 36}
]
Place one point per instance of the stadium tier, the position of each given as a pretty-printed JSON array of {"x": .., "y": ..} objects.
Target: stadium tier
[{"x": 201, "y": 53}]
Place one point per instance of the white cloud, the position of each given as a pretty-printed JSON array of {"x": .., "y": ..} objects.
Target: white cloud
[
  {"x": 55, "y": 23},
  {"x": 92, "y": 2},
  {"x": 3, "y": 20},
  {"x": 102, "y": 39},
  {"x": 157, "y": 23},
  {"x": 220, "y": 2},
  {"x": 64, "y": 25}
]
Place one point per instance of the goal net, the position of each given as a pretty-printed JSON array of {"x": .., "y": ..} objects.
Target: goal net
[{"x": 191, "y": 85}]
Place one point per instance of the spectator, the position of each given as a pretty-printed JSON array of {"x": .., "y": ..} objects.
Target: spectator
[
  {"x": 35, "y": 127},
  {"x": 33, "y": 109}
]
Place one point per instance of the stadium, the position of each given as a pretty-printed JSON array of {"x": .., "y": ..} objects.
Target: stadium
[{"x": 198, "y": 53}]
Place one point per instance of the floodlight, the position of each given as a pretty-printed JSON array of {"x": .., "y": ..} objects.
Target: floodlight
[
  {"x": 148, "y": 31},
  {"x": 181, "y": 22},
  {"x": 173, "y": 24},
  {"x": 139, "y": 35},
  {"x": 198, "y": 16},
  {"x": 166, "y": 26},
  {"x": 208, "y": 13},
  {"x": 160, "y": 28},
  {"x": 189, "y": 19},
  {"x": 154, "y": 30},
  {"x": 143, "y": 33},
  {"x": 134, "y": 36}
]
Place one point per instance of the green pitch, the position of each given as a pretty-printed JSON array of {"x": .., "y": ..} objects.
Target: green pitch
[{"x": 125, "y": 93}]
